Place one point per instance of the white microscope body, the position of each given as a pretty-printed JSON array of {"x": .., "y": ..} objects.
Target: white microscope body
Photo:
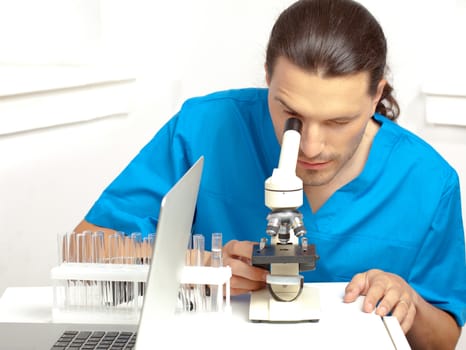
[{"x": 286, "y": 298}]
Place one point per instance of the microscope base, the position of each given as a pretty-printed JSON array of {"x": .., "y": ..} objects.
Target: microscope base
[{"x": 264, "y": 308}]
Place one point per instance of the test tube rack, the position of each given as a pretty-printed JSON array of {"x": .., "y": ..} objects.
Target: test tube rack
[
  {"x": 105, "y": 282},
  {"x": 114, "y": 293}
]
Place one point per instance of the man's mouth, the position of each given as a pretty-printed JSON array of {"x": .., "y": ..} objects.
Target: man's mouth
[{"x": 314, "y": 165}]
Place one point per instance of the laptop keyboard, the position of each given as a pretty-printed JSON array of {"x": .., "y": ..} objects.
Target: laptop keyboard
[{"x": 98, "y": 340}]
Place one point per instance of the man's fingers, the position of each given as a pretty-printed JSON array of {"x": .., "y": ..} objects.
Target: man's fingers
[
  {"x": 245, "y": 277},
  {"x": 240, "y": 285},
  {"x": 355, "y": 288},
  {"x": 237, "y": 255},
  {"x": 391, "y": 298},
  {"x": 386, "y": 293},
  {"x": 374, "y": 295},
  {"x": 405, "y": 312},
  {"x": 238, "y": 249},
  {"x": 245, "y": 270}
]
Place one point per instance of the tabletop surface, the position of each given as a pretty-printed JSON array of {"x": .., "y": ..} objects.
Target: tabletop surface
[{"x": 341, "y": 324}]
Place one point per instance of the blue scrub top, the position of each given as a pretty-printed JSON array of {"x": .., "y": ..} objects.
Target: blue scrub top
[{"x": 402, "y": 214}]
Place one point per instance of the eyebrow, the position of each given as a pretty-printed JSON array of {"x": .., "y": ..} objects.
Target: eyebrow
[
  {"x": 279, "y": 100},
  {"x": 283, "y": 103}
]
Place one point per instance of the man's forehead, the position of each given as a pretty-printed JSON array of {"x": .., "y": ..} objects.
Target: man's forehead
[{"x": 298, "y": 90}]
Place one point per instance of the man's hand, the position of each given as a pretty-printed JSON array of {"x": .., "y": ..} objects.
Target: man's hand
[
  {"x": 385, "y": 293},
  {"x": 245, "y": 277}
]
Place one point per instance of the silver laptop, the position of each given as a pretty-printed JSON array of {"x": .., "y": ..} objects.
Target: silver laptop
[{"x": 160, "y": 297}]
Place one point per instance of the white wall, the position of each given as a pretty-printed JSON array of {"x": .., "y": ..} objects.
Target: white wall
[
  {"x": 173, "y": 49},
  {"x": 49, "y": 177}
]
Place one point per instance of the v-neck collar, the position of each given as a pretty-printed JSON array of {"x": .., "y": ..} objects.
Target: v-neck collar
[
  {"x": 380, "y": 150},
  {"x": 342, "y": 198}
]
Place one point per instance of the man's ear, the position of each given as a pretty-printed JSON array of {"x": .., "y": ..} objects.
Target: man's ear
[{"x": 378, "y": 93}]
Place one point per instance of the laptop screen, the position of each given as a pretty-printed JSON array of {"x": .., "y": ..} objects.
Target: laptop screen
[{"x": 172, "y": 239}]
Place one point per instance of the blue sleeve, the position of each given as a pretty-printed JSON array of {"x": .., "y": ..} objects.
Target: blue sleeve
[
  {"x": 131, "y": 203},
  {"x": 439, "y": 273},
  {"x": 221, "y": 126}
]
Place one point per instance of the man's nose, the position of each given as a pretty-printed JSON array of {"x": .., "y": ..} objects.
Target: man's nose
[{"x": 312, "y": 141}]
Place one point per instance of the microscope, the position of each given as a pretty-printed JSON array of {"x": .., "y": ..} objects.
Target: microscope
[{"x": 285, "y": 252}]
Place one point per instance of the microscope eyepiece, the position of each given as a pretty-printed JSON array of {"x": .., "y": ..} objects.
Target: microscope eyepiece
[{"x": 294, "y": 124}]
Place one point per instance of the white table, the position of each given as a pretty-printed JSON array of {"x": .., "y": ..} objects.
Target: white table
[{"x": 341, "y": 325}]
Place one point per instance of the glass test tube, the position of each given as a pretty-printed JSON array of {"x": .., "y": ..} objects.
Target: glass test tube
[
  {"x": 149, "y": 248},
  {"x": 97, "y": 247},
  {"x": 136, "y": 238},
  {"x": 198, "y": 248},
  {"x": 83, "y": 245},
  {"x": 62, "y": 245},
  {"x": 216, "y": 258},
  {"x": 115, "y": 247},
  {"x": 199, "y": 289}
]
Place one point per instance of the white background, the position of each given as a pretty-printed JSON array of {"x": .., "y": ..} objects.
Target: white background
[{"x": 162, "y": 52}]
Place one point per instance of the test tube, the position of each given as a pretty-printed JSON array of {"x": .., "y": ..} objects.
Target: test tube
[
  {"x": 71, "y": 247},
  {"x": 83, "y": 244},
  {"x": 198, "y": 249},
  {"x": 97, "y": 247},
  {"x": 115, "y": 252},
  {"x": 63, "y": 257},
  {"x": 150, "y": 247},
  {"x": 216, "y": 258},
  {"x": 129, "y": 250},
  {"x": 136, "y": 238},
  {"x": 115, "y": 247},
  {"x": 62, "y": 245},
  {"x": 199, "y": 289}
]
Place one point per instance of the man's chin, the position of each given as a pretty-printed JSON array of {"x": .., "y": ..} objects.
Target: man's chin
[{"x": 315, "y": 180}]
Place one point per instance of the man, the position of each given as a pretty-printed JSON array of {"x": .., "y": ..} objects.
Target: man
[{"x": 381, "y": 206}]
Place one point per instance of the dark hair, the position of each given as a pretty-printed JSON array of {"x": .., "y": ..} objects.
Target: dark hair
[{"x": 333, "y": 38}]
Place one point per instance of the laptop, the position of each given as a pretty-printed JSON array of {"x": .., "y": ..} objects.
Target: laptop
[{"x": 160, "y": 297}]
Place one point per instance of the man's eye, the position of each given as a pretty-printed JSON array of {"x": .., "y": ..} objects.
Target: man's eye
[
  {"x": 339, "y": 122},
  {"x": 291, "y": 113}
]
